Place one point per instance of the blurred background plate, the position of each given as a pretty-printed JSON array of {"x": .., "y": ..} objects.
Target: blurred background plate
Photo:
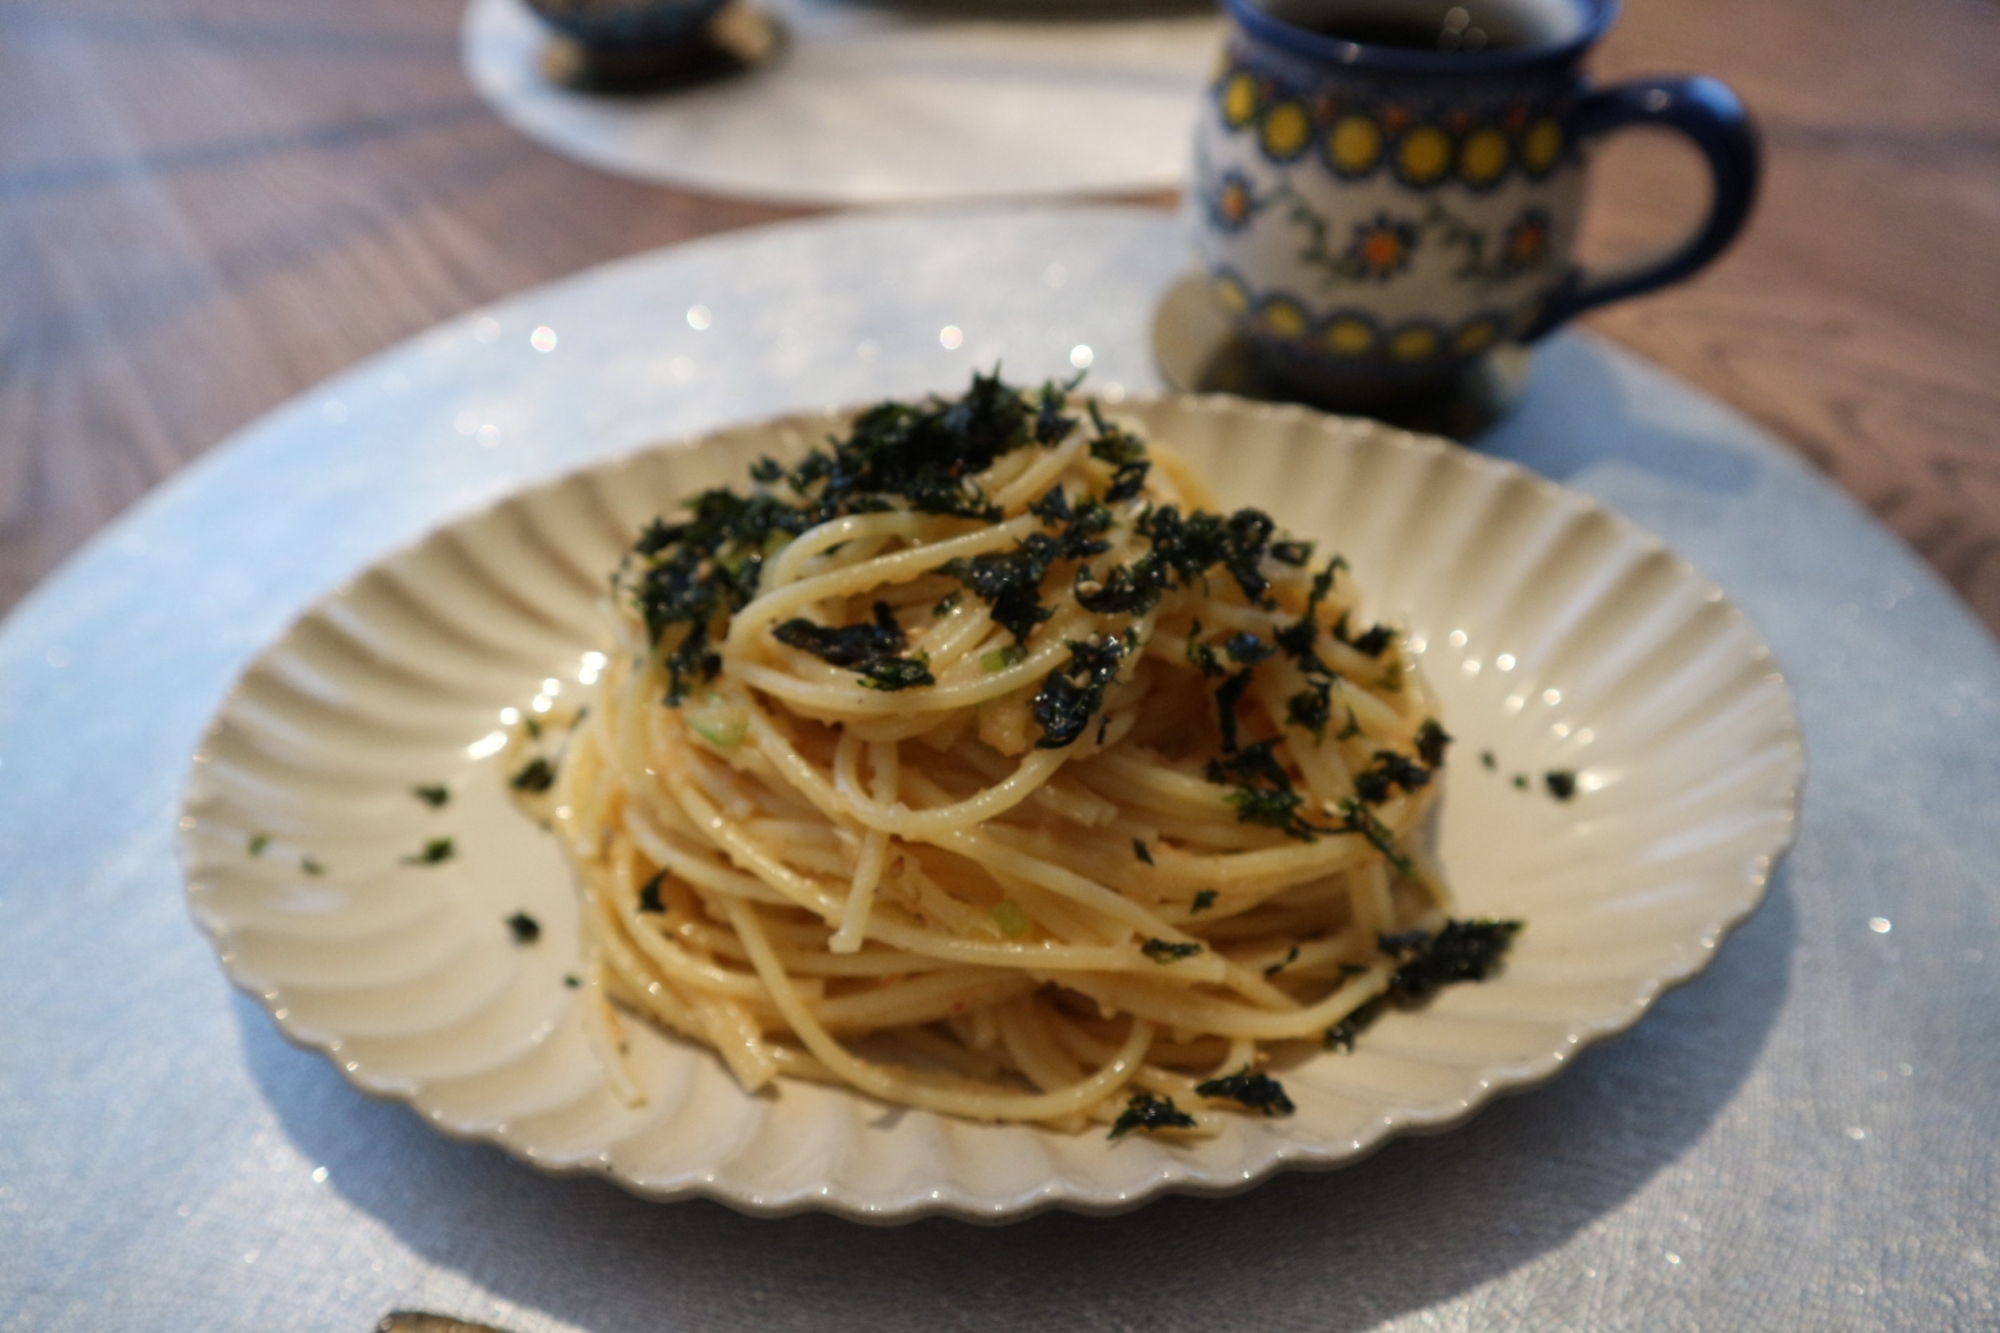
[{"x": 878, "y": 102}]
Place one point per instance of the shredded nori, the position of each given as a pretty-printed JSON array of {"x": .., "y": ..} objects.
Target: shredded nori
[
  {"x": 1010, "y": 582},
  {"x": 1148, "y": 1112},
  {"x": 1462, "y": 951},
  {"x": 1390, "y": 769},
  {"x": 537, "y": 775},
  {"x": 649, "y": 895},
  {"x": 1202, "y": 656},
  {"x": 871, "y": 649},
  {"x": 1370, "y": 643},
  {"x": 1343, "y": 1033},
  {"x": 436, "y": 850},
  {"x": 1203, "y": 900},
  {"x": 898, "y": 673},
  {"x": 1311, "y": 708},
  {"x": 1561, "y": 783},
  {"x": 1075, "y": 690},
  {"x": 1227, "y": 696},
  {"x": 1253, "y": 1091},
  {"x": 1166, "y": 951},
  {"x": 526, "y": 929},
  {"x": 1295, "y": 554},
  {"x": 1431, "y": 742},
  {"x": 1356, "y": 817},
  {"x": 1246, "y": 649},
  {"x": 1262, "y": 791},
  {"x": 435, "y": 795},
  {"x": 1139, "y": 850},
  {"x": 851, "y": 646},
  {"x": 687, "y": 578}
]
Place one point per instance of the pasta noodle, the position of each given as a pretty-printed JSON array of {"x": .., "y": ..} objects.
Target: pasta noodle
[{"x": 978, "y": 763}]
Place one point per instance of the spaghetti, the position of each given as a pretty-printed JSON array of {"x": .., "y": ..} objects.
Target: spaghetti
[{"x": 978, "y": 763}]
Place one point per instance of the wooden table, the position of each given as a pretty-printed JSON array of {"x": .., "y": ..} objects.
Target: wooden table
[{"x": 207, "y": 205}]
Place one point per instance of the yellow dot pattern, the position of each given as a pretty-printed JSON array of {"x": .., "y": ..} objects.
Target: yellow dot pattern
[
  {"x": 1475, "y": 336},
  {"x": 1284, "y": 317},
  {"x": 1353, "y": 335},
  {"x": 1542, "y": 146},
  {"x": 1418, "y": 342},
  {"x": 1350, "y": 337},
  {"x": 1424, "y": 155},
  {"x": 1287, "y": 130},
  {"x": 1482, "y": 158},
  {"x": 1355, "y": 146},
  {"x": 1239, "y": 102},
  {"x": 1356, "y": 141}
]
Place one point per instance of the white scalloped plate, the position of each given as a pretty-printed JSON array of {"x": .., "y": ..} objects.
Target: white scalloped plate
[{"x": 1557, "y": 634}]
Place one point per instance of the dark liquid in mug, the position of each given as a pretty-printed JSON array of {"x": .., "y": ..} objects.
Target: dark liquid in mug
[{"x": 1466, "y": 27}]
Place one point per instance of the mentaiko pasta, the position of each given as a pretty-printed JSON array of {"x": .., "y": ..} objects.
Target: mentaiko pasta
[{"x": 978, "y": 762}]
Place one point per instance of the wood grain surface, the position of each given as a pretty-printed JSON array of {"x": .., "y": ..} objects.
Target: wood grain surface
[{"x": 208, "y": 205}]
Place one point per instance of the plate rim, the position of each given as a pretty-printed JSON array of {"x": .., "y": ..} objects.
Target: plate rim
[{"x": 1057, "y": 1191}]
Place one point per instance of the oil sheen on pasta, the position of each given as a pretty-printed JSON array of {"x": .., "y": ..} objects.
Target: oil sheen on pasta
[{"x": 978, "y": 761}]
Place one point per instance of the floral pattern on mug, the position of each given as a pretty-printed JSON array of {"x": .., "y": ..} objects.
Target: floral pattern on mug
[
  {"x": 1381, "y": 248},
  {"x": 1527, "y": 241},
  {"x": 1234, "y": 202}
]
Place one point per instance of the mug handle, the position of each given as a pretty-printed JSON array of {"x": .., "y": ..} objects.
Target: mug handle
[{"x": 1710, "y": 115}]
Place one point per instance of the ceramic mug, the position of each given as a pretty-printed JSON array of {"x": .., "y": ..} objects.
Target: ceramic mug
[{"x": 1378, "y": 218}]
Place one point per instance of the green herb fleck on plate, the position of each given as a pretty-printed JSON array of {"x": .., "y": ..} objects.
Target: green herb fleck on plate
[
  {"x": 537, "y": 775},
  {"x": 436, "y": 850},
  {"x": 1013, "y": 922}
]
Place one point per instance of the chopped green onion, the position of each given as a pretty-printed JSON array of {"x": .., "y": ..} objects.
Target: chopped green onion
[
  {"x": 1001, "y": 658},
  {"x": 718, "y": 722},
  {"x": 1013, "y": 922}
]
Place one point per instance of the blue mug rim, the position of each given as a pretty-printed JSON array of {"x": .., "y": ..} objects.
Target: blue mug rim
[{"x": 1598, "y": 16}]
